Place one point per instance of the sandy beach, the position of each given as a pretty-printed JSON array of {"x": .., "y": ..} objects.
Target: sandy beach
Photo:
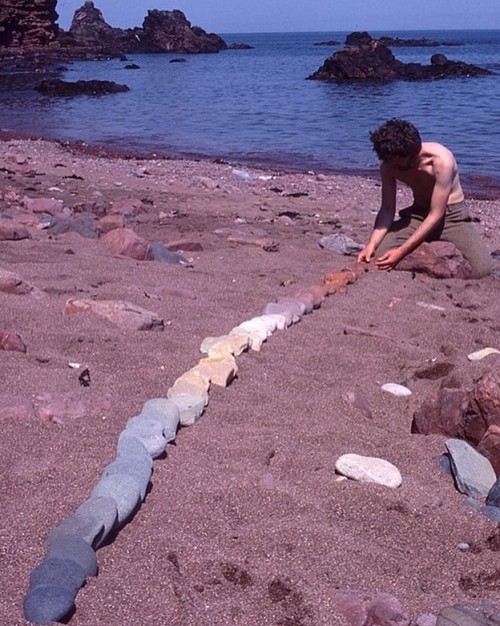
[{"x": 246, "y": 521}]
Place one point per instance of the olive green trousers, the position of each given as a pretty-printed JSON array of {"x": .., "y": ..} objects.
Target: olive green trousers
[{"x": 456, "y": 227}]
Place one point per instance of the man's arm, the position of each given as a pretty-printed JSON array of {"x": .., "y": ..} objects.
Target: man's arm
[
  {"x": 385, "y": 216},
  {"x": 443, "y": 172}
]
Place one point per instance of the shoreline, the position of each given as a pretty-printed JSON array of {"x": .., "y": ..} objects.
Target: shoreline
[{"x": 476, "y": 186}]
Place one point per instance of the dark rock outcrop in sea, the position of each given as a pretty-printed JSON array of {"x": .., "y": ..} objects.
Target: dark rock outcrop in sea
[
  {"x": 372, "y": 61},
  {"x": 359, "y": 38},
  {"x": 57, "y": 87},
  {"x": 31, "y": 38}
]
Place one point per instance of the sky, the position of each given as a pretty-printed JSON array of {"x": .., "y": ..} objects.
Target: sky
[{"x": 249, "y": 16}]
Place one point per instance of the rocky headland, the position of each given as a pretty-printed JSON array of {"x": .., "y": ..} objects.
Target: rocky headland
[{"x": 39, "y": 41}]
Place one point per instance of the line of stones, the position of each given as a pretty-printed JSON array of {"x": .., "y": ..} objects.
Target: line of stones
[{"x": 71, "y": 546}]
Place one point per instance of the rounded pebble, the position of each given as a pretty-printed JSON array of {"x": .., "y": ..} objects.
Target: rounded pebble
[
  {"x": 368, "y": 470},
  {"x": 47, "y": 603},
  {"x": 396, "y": 390},
  {"x": 124, "y": 489},
  {"x": 75, "y": 549},
  {"x": 57, "y": 572}
]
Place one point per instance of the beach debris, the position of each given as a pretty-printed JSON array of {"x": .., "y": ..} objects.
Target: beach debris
[
  {"x": 396, "y": 390},
  {"x": 430, "y": 307},
  {"x": 125, "y": 242},
  {"x": 368, "y": 470},
  {"x": 481, "y": 354},
  {"x": 243, "y": 175}
]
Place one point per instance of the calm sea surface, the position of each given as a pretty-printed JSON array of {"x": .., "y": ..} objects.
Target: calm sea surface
[{"x": 256, "y": 107}]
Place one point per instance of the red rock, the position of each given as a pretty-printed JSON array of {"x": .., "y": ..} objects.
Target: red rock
[
  {"x": 338, "y": 281},
  {"x": 125, "y": 315},
  {"x": 12, "y": 283},
  {"x": 125, "y": 242},
  {"x": 10, "y": 230},
  {"x": 42, "y": 205},
  {"x": 111, "y": 222},
  {"x": 15, "y": 407},
  {"x": 369, "y": 609},
  {"x": 12, "y": 342},
  {"x": 489, "y": 446},
  {"x": 486, "y": 395},
  {"x": 439, "y": 259},
  {"x": 442, "y": 414},
  {"x": 313, "y": 296},
  {"x": 128, "y": 208}
]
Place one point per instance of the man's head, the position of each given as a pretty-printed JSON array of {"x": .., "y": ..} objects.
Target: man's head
[{"x": 397, "y": 142}]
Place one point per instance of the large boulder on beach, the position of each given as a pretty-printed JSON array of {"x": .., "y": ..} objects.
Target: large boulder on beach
[{"x": 370, "y": 60}]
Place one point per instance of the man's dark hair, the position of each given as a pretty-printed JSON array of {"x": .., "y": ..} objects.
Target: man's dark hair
[{"x": 396, "y": 138}]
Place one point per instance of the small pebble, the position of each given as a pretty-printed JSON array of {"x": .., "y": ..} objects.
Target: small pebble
[{"x": 396, "y": 390}]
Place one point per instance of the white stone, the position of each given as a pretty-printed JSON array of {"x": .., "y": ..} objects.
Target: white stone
[
  {"x": 480, "y": 354},
  {"x": 396, "y": 390},
  {"x": 369, "y": 470}
]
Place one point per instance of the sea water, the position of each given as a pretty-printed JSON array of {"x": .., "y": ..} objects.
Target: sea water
[{"x": 256, "y": 106}]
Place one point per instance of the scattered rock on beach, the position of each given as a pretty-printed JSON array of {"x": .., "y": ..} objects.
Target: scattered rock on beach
[
  {"x": 368, "y": 470},
  {"x": 473, "y": 473},
  {"x": 58, "y": 87},
  {"x": 12, "y": 342},
  {"x": 124, "y": 315},
  {"x": 126, "y": 242}
]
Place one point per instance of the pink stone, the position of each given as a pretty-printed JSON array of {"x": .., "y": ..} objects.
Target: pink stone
[
  {"x": 125, "y": 242},
  {"x": 489, "y": 446},
  {"x": 12, "y": 342},
  {"x": 12, "y": 283},
  {"x": 184, "y": 245},
  {"x": 110, "y": 222},
  {"x": 124, "y": 315},
  {"x": 43, "y": 205},
  {"x": 12, "y": 231},
  {"x": 127, "y": 207}
]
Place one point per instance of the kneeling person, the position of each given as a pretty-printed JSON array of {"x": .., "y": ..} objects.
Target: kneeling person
[{"x": 438, "y": 211}]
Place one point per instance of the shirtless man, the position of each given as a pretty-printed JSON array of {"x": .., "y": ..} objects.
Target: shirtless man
[{"x": 438, "y": 211}]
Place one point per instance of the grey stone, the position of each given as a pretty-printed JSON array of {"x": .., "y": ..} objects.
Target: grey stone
[
  {"x": 92, "y": 521},
  {"x": 58, "y": 572},
  {"x": 493, "y": 497},
  {"x": 75, "y": 549},
  {"x": 473, "y": 473},
  {"x": 190, "y": 408},
  {"x": 150, "y": 434},
  {"x": 273, "y": 308},
  {"x": 460, "y": 615},
  {"x": 158, "y": 252},
  {"x": 491, "y": 512},
  {"x": 169, "y": 413},
  {"x": 124, "y": 489},
  {"x": 129, "y": 446},
  {"x": 137, "y": 468},
  {"x": 296, "y": 307},
  {"x": 341, "y": 244},
  {"x": 47, "y": 603}
]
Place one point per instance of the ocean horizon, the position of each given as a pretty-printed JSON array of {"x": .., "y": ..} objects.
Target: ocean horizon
[{"x": 256, "y": 107}]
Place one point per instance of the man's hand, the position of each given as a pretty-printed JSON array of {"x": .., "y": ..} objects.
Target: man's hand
[
  {"x": 366, "y": 255},
  {"x": 390, "y": 259}
]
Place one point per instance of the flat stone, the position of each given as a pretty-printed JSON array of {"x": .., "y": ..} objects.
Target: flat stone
[
  {"x": 222, "y": 370},
  {"x": 92, "y": 521},
  {"x": 47, "y": 603},
  {"x": 185, "y": 387},
  {"x": 124, "y": 489},
  {"x": 296, "y": 307},
  {"x": 256, "y": 325},
  {"x": 74, "y": 548},
  {"x": 149, "y": 433},
  {"x": 280, "y": 321},
  {"x": 369, "y": 470},
  {"x": 168, "y": 413},
  {"x": 124, "y": 315},
  {"x": 137, "y": 468},
  {"x": 255, "y": 339},
  {"x": 273, "y": 308},
  {"x": 397, "y": 390},
  {"x": 460, "y": 615},
  {"x": 190, "y": 407},
  {"x": 130, "y": 446},
  {"x": 473, "y": 473},
  {"x": 57, "y": 572},
  {"x": 125, "y": 242},
  {"x": 340, "y": 244},
  {"x": 233, "y": 344},
  {"x": 481, "y": 354}
]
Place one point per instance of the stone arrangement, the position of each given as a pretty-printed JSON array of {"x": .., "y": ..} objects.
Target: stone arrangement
[{"x": 72, "y": 545}]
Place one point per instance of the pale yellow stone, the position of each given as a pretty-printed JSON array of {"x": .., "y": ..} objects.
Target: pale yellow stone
[
  {"x": 183, "y": 388},
  {"x": 255, "y": 339},
  {"x": 221, "y": 370},
  {"x": 196, "y": 377},
  {"x": 232, "y": 344}
]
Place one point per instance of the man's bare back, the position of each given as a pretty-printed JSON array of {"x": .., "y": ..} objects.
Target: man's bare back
[{"x": 434, "y": 161}]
